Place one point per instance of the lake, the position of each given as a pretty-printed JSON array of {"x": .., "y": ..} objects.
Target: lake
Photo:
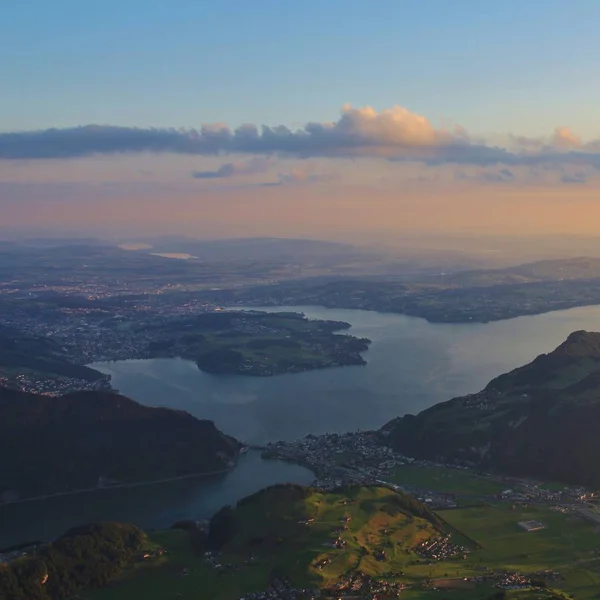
[
  {"x": 412, "y": 364},
  {"x": 150, "y": 506}
]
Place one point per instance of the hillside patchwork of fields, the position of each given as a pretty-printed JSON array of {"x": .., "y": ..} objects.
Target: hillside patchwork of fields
[{"x": 372, "y": 540}]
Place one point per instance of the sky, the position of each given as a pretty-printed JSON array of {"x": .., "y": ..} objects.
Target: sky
[{"x": 300, "y": 118}]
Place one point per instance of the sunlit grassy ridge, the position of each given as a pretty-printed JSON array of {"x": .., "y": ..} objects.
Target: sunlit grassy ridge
[{"x": 289, "y": 530}]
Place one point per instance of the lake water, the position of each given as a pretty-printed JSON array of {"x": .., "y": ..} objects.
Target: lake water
[
  {"x": 412, "y": 364},
  {"x": 151, "y": 506}
]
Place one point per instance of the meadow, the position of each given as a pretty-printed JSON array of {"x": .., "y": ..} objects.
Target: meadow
[
  {"x": 446, "y": 480},
  {"x": 289, "y": 529},
  {"x": 568, "y": 544}
]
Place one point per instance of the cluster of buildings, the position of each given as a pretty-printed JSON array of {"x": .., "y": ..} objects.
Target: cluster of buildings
[
  {"x": 358, "y": 584},
  {"x": 361, "y": 459},
  {"x": 281, "y": 588},
  {"x": 101, "y": 331},
  {"x": 529, "y": 491},
  {"x": 440, "y": 548},
  {"x": 54, "y": 386},
  {"x": 514, "y": 581},
  {"x": 338, "y": 459}
]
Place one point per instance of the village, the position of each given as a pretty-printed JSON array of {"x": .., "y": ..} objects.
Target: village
[
  {"x": 362, "y": 458},
  {"x": 281, "y": 588}
]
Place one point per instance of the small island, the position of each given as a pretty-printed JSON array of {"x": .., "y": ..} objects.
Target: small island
[{"x": 260, "y": 344}]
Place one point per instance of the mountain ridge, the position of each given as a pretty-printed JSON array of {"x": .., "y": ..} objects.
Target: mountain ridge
[
  {"x": 539, "y": 420},
  {"x": 89, "y": 439}
]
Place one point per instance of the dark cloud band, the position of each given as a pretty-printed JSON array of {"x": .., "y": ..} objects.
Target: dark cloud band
[{"x": 395, "y": 134}]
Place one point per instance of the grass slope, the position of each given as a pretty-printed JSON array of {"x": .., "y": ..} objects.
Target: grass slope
[
  {"x": 269, "y": 529},
  {"x": 568, "y": 544}
]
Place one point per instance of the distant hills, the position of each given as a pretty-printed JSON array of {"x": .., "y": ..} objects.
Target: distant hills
[
  {"x": 541, "y": 420},
  {"x": 148, "y": 263},
  {"x": 478, "y": 296},
  {"x": 280, "y": 271},
  {"x": 90, "y": 439},
  {"x": 539, "y": 271},
  {"x": 259, "y": 248}
]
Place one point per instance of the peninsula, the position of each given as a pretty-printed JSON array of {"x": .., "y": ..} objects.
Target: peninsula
[
  {"x": 52, "y": 359},
  {"x": 258, "y": 343}
]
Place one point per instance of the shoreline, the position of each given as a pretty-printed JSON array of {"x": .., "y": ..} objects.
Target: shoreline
[{"x": 119, "y": 486}]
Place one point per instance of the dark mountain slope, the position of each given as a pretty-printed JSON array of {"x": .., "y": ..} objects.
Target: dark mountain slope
[
  {"x": 78, "y": 440},
  {"x": 541, "y": 420}
]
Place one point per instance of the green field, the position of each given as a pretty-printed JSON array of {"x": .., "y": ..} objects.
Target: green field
[
  {"x": 272, "y": 535},
  {"x": 446, "y": 480},
  {"x": 568, "y": 544}
]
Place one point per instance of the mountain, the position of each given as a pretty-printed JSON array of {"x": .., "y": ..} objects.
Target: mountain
[
  {"x": 54, "y": 242},
  {"x": 88, "y": 439},
  {"x": 541, "y": 420}
]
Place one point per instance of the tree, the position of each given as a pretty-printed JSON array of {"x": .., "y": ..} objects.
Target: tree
[{"x": 86, "y": 556}]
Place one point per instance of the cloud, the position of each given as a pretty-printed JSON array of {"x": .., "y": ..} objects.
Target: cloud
[
  {"x": 358, "y": 131},
  {"x": 565, "y": 139},
  {"x": 304, "y": 176},
  {"x": 578, "y": 177},
  {"x": 500, "y": 176},
  {"x": 396, "y": 134},
  {"x": 222, "y": 172},
  {"x": 299, "y": 177},
  {"x": 249, "y": 167}
]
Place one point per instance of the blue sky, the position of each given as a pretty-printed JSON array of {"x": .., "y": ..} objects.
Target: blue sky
[
  {"x": 494, "y": 67},
  {"x": 439, "y": 115}
]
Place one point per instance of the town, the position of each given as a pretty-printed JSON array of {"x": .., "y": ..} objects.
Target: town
[
  {"x": 219, "y": 341},
  {"x": 362, "y": 458}
]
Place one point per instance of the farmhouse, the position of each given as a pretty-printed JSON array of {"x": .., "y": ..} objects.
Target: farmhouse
[{"x": 531, "y": 526}]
